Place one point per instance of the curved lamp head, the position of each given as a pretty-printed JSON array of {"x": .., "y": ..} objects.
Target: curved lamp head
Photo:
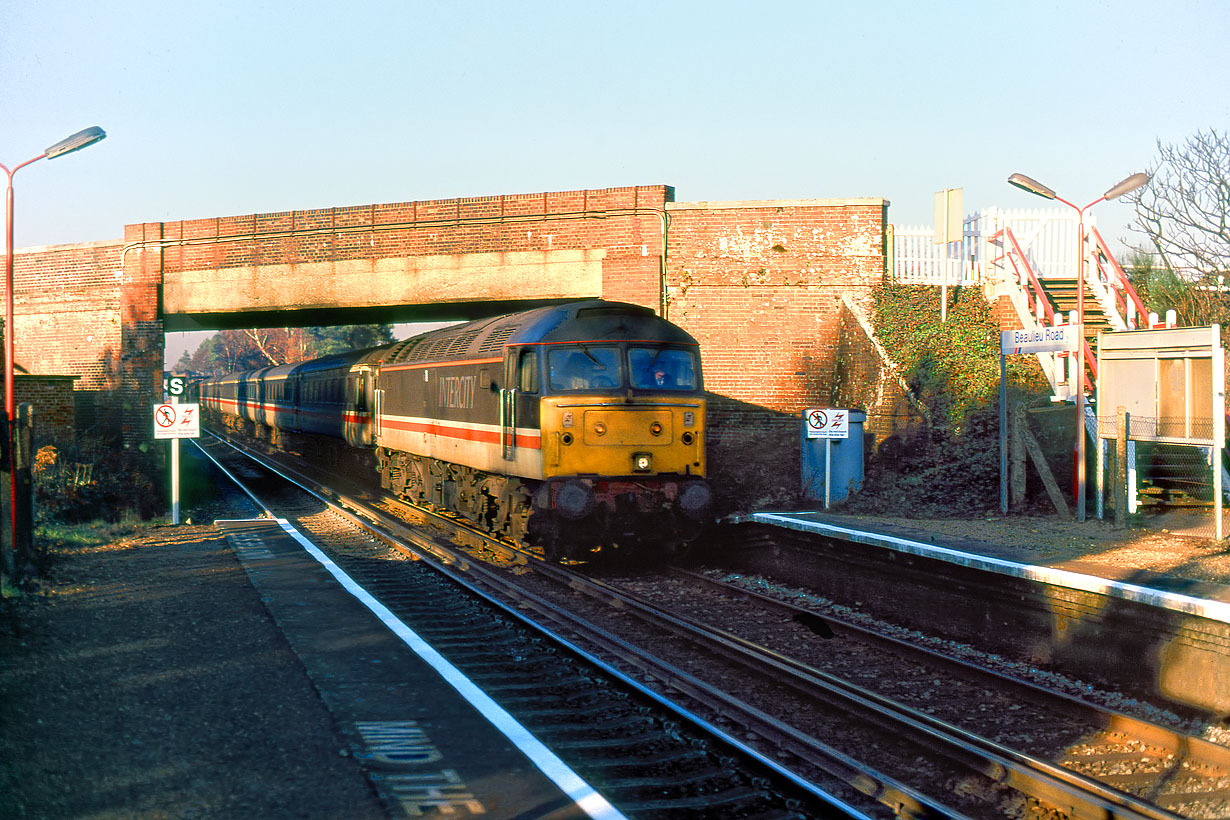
[
  {"x": 82, "y": 139},
  {"x": 1032, "y": 185},
  {"x": 1127, "y": 186}
]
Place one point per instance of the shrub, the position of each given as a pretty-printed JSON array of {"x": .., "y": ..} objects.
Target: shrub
[{"x": 94, "y": 480}]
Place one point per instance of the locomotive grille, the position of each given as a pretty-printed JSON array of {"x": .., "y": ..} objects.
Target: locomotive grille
[
  {"x": 494, "y": 344},
  {"x": 443, "y": 346}
]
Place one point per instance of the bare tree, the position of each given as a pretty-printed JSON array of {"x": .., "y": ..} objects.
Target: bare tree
[
  {"x": 1196, "y": 302},
  {"x": 279, "y": 345},
  {"x": 1184, "y": 210},
  {"x": 234, "y": 350}
]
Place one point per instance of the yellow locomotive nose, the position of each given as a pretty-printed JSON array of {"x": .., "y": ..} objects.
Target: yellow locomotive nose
[{"x": 605, "y": 436}]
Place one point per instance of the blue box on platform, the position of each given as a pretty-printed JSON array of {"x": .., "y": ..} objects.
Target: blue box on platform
[{"x": 832, "y": 453}]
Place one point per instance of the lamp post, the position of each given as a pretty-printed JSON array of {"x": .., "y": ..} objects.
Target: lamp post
[
  {"x": 76, "y": 142},
  {"x": 1125, "y": 186}
]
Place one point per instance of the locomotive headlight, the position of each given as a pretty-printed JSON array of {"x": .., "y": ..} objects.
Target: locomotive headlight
[
  {"x": 641, "y": 462},
  {"x": 656, "y": 428},
  {"x": 599, "y": 428}
]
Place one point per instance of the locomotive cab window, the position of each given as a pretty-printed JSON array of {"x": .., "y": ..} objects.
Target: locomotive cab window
[
  {"x": 661, "y": 368},
  {"x": 527, "y": 372},
  {"x": 584, "y": 368}
]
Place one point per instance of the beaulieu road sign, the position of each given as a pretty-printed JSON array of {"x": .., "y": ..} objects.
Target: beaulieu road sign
[{"x": 1041, "y": 340}]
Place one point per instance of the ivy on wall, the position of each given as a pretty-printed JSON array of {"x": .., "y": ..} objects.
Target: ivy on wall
[{"x": 952, "y": 365}]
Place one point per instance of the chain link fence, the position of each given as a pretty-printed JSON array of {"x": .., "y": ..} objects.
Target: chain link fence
[{"x": 1161, "y": 472}]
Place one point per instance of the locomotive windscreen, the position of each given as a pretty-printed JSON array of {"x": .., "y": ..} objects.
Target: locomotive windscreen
[
  {"x": 662, "y": 368},
  {"x": 603, "y": 367}
]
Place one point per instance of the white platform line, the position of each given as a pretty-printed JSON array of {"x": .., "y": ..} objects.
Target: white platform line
[{"x": 589, "y": 800}]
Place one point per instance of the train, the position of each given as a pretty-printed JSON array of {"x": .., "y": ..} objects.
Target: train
[{"x": 574, "y": 427}]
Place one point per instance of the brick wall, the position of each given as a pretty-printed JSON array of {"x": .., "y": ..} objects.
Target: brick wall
[
  {"x": 625, "y": 223},
  {"x": 52, "y": 399},
  {"x": 1005, "y": 314},
  {"x": 760, "y": 285},
  {"x": 79, "y": 313}
]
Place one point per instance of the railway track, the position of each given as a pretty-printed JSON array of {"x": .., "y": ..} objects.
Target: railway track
[
  {"x": 852, "y": 727},
  {"x": 650, "y": 760},
  {"x": 960, "y": 698}
]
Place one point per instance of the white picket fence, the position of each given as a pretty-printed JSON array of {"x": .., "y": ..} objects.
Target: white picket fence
[{"x": 1047, "y": 238}]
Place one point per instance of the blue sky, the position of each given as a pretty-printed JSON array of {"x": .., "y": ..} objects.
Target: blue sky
[{"x": 238, "y": 107}]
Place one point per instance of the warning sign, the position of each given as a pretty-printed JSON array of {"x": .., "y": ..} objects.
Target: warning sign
[
  {"x": 827, "y": 422},
  {"x": 177, "y": 421}
]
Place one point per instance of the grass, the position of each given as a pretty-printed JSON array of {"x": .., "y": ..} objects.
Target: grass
[
  {"x": 50, "y": 536},
  {"x": 56, "y": 537}
]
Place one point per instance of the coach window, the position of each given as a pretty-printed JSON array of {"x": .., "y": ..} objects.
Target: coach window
[{"x": 527, "y": 372}]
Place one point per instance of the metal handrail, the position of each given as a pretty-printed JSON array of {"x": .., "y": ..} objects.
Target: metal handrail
[
  {"x": 1030, "y": 282},
  {"x": 1125, "y": 293}
]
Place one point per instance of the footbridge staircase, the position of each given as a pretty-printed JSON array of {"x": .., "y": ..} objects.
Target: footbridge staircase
[
  {"x": 1034, "y": 258},
  {"x": 1051, "y": 274}
]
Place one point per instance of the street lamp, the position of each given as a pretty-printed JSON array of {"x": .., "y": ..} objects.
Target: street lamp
[
  {"x": 76, "y": 142},
  {"x": 1125, "y": 186}
]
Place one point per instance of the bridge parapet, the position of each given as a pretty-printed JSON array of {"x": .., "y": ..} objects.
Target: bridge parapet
[{"x": 465, "y": 252}]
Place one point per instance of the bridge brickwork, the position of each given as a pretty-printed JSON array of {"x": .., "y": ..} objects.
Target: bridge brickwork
[
  {"x": 396, "y": 262},
  {"x": 760, "y": 284},
  {"x": 80, "y": 313}
]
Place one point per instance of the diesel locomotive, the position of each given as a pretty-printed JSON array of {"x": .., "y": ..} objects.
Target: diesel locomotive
[{"x": 574, "y": 427}]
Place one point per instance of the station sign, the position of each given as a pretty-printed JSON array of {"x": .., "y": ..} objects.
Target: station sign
[
  {"x": 827, "y": 422},
  {"x": 174, "y": 385},
  {"x": 177, "y": 421},
  {"x": 1055, "y": 339}
]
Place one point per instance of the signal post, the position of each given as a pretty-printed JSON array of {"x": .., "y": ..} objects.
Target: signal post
[{"x": 175, "y": 421}]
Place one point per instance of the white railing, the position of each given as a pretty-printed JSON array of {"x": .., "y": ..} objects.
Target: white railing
[
  {"x": 1048, "y": 239},
  {"x": 917, "y": 260}
]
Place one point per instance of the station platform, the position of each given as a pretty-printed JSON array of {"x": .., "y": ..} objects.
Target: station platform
[
  {"x": 427, "y": 737},
  {"x": 157, "y": 676},
  {"x": 1136, "y": 611},
  {"x": 1175, "y": 573}
]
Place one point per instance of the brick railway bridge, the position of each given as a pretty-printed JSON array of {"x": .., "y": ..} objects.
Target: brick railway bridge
[{"x": 773, "y": 290}]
